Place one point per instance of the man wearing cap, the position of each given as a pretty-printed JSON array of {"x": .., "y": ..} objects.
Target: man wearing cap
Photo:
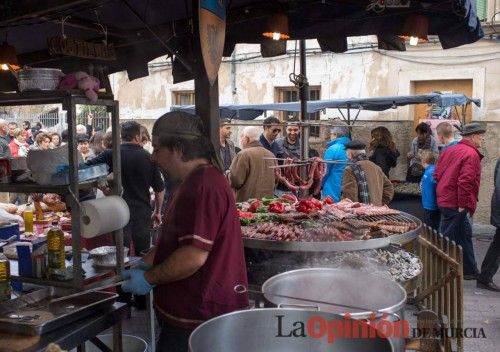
[
  {"x": 332, "y": 182},
  {"x": 458, "y": 175},
  {"x": 227, "y": 150},
  {"x": 363, "y": 180},
  {"x": 199, "y": 259},
  {"x": 272, "y": 128}
]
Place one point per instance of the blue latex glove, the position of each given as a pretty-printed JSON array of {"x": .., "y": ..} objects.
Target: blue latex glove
[
  {"x": 137, "y": 283},
  {"x": 142, "y": 265}
]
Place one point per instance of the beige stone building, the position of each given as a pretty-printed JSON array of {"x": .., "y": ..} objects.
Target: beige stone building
[{"x": 363, "y": 71}]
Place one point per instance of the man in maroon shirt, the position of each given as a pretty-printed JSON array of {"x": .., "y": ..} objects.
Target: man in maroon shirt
[
  {"x": 199, "y": 259},
  {"x": 458, "y": 174}
]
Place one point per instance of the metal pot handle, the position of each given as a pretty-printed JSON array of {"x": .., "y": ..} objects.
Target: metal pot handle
[
  {"x": 298, "y": 306},
  {"x": 396, "y": 315},
  {"x": 380, "y": 313},
  {"x": 240, "y": 289}
]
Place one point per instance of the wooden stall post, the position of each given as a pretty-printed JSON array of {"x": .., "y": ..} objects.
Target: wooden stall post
[
  {"x": 206, "y": 95},
  {"x": 441, "y": 289}
]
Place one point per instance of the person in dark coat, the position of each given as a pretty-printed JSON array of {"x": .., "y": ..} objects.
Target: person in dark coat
[
  {"x": 424, "y": 140},
  {"x": 272, "y": 128},
  {"x": 384, "y": 152},
  {"x": 492, "y": 259}
]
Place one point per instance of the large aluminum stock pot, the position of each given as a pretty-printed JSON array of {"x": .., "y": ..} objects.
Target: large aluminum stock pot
[
  {"x": 284, "y": 330},
  {"x": 362, "y": 295}
]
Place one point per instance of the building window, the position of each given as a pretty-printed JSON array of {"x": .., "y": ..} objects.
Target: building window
[
  {"x": 183, "y": 97},
  {"x": 289, "y": 94}
]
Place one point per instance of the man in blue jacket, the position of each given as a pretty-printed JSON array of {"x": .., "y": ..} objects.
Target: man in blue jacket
[{"x": 332, "y": 182}]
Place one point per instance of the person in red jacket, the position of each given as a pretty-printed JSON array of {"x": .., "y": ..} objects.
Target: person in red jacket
[{"x": 458, "y": 174}]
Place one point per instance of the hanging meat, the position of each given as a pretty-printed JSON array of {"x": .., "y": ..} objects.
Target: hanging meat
[{"x": 290, "y": 175}]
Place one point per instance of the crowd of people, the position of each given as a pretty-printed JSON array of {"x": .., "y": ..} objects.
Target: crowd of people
[
  {"x": 447, "y": 169},
  {"x": 349, "y": 173},
  {"x": 200, "y": 235}
]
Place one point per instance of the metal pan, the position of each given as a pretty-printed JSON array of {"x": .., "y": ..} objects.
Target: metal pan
[
  {"x": 35, "y": 313},
  {"x": 338, "y": 246}
]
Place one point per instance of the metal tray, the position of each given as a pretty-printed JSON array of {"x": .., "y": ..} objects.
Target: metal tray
[
  {"x": 34, "y": 314},
  {"x": 338, "y": 246}
]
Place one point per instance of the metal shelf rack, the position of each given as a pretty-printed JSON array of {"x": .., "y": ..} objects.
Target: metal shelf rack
[{"x": 69, "y": 99}]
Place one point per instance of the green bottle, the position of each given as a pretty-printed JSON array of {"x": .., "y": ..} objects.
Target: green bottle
[
  {"x": 55, "y": 248},
  {"x": 5, "y": 289}
]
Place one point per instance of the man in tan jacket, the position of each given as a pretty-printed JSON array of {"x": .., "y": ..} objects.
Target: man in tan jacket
[
  {"x": 250, "y": 174},
  {"x": 364, "y": 181}
]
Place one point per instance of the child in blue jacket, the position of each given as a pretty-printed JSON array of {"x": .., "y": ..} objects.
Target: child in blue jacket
[{"x": 428, "y": 187}]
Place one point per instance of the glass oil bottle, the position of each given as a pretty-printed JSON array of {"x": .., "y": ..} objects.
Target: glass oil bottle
[
  {"x": 5, "y": 289},
  {"x": 55, "y": 248}
]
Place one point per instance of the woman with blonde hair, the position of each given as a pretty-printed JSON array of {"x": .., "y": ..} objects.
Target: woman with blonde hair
[
  {"x": 18, "y": 146},
  {"x": 384, "y": 152}
]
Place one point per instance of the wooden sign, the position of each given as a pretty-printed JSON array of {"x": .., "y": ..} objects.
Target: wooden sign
[
  {"x": 80, "y": 48},
  {"x": 212, "y": 25}
]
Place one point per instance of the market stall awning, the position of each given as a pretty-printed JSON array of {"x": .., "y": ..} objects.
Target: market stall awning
[
  {"x": 251, "y": 111},
  {"x": 143, "y": 30}
]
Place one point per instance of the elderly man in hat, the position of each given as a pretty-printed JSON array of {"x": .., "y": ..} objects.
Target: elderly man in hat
[
  {"x": 199, "y": 258},
  {"x": 458, "y": 175},
  {"x": 363, "y": 180},
  {"x": 227, "y": 149}
]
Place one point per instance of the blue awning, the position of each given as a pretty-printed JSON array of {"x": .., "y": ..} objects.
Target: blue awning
[{"x": 251, "y": 111}]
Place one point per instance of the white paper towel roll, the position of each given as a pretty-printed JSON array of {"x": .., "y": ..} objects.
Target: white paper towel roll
[{"x": 103, "y": 215}]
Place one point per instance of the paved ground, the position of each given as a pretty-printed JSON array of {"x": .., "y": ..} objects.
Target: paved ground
[{"x": 482, "y": 308}]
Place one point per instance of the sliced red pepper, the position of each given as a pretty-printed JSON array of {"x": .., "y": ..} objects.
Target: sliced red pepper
[
  {"x": 255, "y": 205},
  {"x": 276, "y": 207},
  {"x": 328, "y": 200},
  {"x": 316, "y": 203},
  {"x": 289, "y": 197},
  {"x": 245, "y": 214},
  {"x": 304, "y": 206}
]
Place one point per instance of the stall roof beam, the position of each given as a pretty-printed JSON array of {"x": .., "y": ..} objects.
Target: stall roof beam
[{"x": 24, "y": 9}]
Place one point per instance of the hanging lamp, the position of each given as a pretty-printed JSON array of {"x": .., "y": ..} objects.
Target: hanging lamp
[
  {"x": 8, "y": 57},
  {"x": 415, "y": 29},
  {"x": 277, "y": 27}
]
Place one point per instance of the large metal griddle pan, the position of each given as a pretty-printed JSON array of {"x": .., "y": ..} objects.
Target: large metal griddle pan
[{"x": 337, "y": 246}]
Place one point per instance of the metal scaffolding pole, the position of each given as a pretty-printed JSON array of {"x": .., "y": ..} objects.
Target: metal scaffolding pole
[{"x": 304, "y": 97}]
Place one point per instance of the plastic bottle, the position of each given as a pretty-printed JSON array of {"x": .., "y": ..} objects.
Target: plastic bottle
[
  {"x": 5, "y": 289},
  {"x": 55, "y": 248},
  {"x": 28, "y": 220}
]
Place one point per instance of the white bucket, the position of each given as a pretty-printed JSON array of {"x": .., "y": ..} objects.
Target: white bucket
[{"x": 130, "y": 343}]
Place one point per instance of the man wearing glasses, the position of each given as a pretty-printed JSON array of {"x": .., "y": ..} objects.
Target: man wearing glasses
[{"x": 272, "y": 128}]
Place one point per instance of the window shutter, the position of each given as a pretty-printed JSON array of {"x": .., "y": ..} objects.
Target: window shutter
[{"x": 482, "y": 9}]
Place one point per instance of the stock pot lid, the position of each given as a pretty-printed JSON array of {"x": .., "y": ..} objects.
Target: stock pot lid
[{"x": 367, "y": 291}]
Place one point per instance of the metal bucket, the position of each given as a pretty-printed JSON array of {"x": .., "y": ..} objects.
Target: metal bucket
[
  {"x": 39, "y": 78},
  {"x": 273, "y": 330},
  {"x": 130, "y": 344},
  {"x": 374, "y": 294}
]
